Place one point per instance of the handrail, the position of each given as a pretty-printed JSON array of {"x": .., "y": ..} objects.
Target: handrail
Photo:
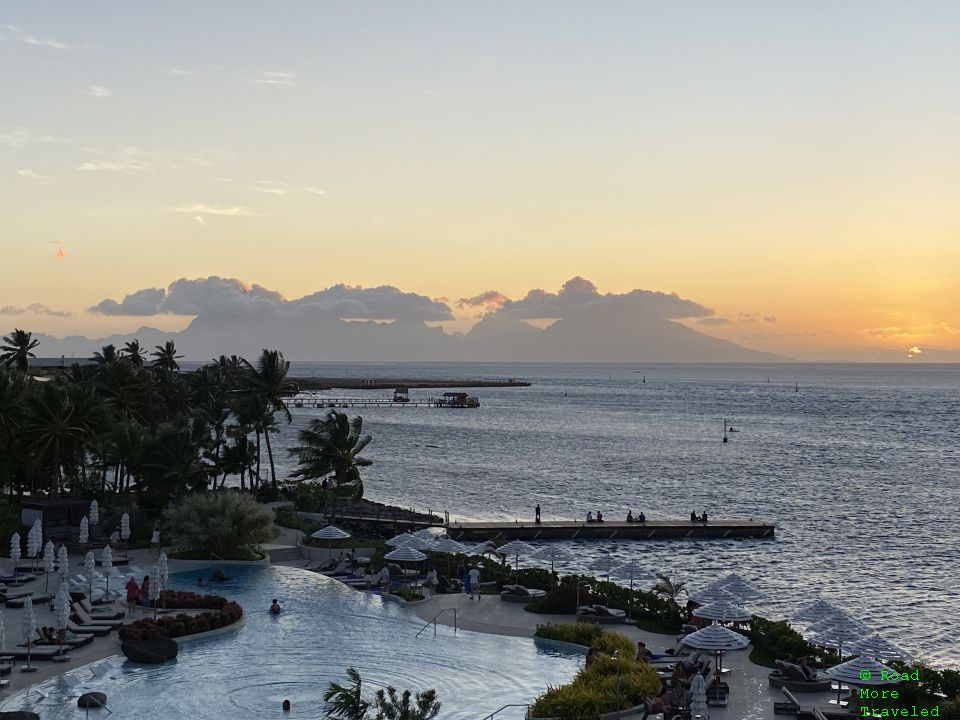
[
  {"x": 523, "y": 705},
  {"x": 434, "y": 621},
  {"x": 99, "y": 704}
]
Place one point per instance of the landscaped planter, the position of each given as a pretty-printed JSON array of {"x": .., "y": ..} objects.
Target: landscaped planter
[
  {"x": 635, "y": 710},
  {"x": 560, "y": 646},
  {"x": 401, "y": 601}
]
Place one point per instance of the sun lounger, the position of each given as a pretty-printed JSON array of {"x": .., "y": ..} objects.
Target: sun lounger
[
  {"x": 21, "y": 601},
  {"x": 790, "y": 707},
  {"x": 520, "y": 594},
  {"x": 86, "y": 619},
  {"x": 602, "y": 615},
  {"x": 100, "y": 614},
  {"x": 98, "y": 630},
  {"x": 37, "y": 652},
  {"x": 793, "y": 678}
]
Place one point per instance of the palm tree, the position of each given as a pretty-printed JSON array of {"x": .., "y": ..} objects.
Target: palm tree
[
  {"x": 269, "y": 381},
  {"x": 18, "y": 349},
  {"x": 668, "y": 589},
  {"x": 133, "y": 353},
  {"x": 344, "y": 702},
  {"x": 166, "y": 357},
  {"x": 106, "y": 356},
  {"x": 333, "y": 444},
  {"x": 52, "y": 430}
]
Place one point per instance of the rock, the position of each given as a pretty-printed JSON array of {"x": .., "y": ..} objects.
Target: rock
[
  {"x": 92, "y": 700},
  {"x": 19, "y": 715},
  {"x": 153, "y": 651}
]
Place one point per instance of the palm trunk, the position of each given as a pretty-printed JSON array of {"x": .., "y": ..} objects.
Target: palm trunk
[
  {"x": 55, "y": 471},
  {"x": 273, "y": 470},
  {"x": 258, "y": 460}
]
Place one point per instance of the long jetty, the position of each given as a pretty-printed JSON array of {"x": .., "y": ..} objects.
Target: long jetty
[
  {"x": 355, "y": 383},
  {"x": 321, "y": 401},
  {"x": 606, "y": 530}
]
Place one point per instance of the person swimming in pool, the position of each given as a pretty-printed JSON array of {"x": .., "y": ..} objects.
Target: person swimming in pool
[{"x": 275, "y": 608}]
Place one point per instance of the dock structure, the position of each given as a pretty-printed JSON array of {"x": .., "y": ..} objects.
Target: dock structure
[
  {"x": 606, "y": 530},
  {"x": 448, "y": 400}
]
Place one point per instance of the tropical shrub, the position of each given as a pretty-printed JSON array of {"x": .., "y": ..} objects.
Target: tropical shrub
[
  {"x": 181, "y": 624},
  {"x": 225, "y": 524},
  {"x": 579, "y": 633},
  {"x": 615, "y": 644},
  {"x": 607, "y": 685},
  {"x": 183, "y": 600},
  {"x": 348, "y": 703}
]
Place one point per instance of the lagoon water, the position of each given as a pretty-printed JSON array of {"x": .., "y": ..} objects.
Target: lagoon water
[{"x": 859, "y": 468}]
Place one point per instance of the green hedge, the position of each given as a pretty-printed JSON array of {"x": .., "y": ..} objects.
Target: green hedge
[{"x": 579, "y": 633}]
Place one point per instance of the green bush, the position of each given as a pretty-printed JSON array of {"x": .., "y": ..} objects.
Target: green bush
[
  {"x": 223, "y": 523},
  {"x": 286, "y": 516},
  {"x": 573, "y": 701},
  {"x": 613, "y": 643},
  {"x": 562, "y": 600},
  {"x": 579, "y": 633}
]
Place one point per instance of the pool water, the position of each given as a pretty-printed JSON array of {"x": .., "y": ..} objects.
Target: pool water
[{"x": 324, "y": 629}]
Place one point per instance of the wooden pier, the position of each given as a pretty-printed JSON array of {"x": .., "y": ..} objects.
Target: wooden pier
[
  {"x": 318, "y": 401},
  {"x": 606, "y": 530}
]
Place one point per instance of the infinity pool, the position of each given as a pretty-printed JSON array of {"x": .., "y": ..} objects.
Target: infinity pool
[{"x": 324, "y": 629}]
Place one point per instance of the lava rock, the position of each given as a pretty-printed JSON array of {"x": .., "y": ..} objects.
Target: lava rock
[
  {"x": 92, "y": 700},
  {"x": 153, "y": 651}
]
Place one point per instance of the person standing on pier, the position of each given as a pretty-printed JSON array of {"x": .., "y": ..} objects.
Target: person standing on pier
[{"x": 536, "y": 513}]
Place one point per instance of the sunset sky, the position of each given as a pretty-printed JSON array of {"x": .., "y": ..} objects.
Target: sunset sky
[{"x": 794, "y": 167}]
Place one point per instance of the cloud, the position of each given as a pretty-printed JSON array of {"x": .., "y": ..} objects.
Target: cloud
[
  {"x": 491, "y": 299},
  {"x": 34, "y": 309},
  {"x": 35, "y": 177},
  {"x": 97, "y": 91},
  {"x": 25, "y": 37},
  {"x": 142, "y": 302},
  {"x": 579, "y": 293},
  {"x": 265, "y": 77},
  {"x": 277, "y": 187},
  {"x": 200, "y": 219},
  {"x": 16, "y": 136},
  {"x": 769, "y": 319},
  {"x": 914, "y": 351},
  {"x": 179, "y": 71},
  {"x": 126, "y": 159},
  {"x": 229, "y": 296},
  {"x": 201, "y": 209},
  {"x": 714, "y": 321}
]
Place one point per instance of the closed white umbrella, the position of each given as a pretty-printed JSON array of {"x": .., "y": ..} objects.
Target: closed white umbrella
[
  {"x": 15, "y": 552},
  {"x": 106, "y": 561},
  {"x": 61, "y": 612},
  {"x": 63, "y": 562},
  {"x": 34, "y": 541},
  {"x": 94, "y": 514},
  {"x": 29, "y": 628},
  {"x": 90, "y": 570},
  {"x": 84, "y": 530},
  {"x": 3, "y": 633},
  {"x": 125, "y": 527},
  {"x": 516, "y": 548},
  {"x": 164, "y": 568},
  {"x": 155, "y": 589},
  {"x": 722, "y": 611},
  {"x": 698, "y": 696},
  {"x": 49, "y": 558},
  {"x": 716, "y": 638}
]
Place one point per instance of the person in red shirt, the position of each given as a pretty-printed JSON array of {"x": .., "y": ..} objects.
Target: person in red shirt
[{"x": 133, "y": 593}]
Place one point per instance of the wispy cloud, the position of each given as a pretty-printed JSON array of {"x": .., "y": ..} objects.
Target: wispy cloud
[
  {"x": 179, "y": 71},
  {"x": 201, "y": 220},
  {"x": 35, "y": 177},
  {"x": 265, "y": 77},
  {"x": 98, "y": 91},
  {"x": 126, "y": 159},
  {"x": 202, "y": 209},
  {"x": 34, "y": 309},
  {"x": 16, "y": 136},
  {"x": 25, "y": 37},
  {"x": 277, "y": 187}
]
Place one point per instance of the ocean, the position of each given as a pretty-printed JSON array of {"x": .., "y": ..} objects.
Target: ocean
[{"x": 859, "y": 466}]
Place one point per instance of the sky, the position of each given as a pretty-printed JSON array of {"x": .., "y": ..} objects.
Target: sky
[{"x": 792, "y": 167}]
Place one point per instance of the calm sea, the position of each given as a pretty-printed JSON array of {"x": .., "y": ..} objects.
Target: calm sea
[{"x": 859, "y": 466}]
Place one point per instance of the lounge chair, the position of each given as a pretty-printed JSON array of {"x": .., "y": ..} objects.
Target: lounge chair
[
  {"x": 520, "y": 594},
  {"x": 602, "y": 615},
  {"x": 21, "y": 601},
  {"x": 790, "y": 707},
  {"x": 86, "y": 619},
  {"x": 793, "y": 678},
  {"x": 100, "y": 614},
  {"x": 98, "y": 630},
  {"x": 37, "y": 652}
]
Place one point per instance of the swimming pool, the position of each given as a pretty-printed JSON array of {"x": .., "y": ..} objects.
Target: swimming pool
[{"x": 324, "y": 629}]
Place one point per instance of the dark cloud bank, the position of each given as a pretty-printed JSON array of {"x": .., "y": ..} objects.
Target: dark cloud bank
[{"x": 343, "y": 323}]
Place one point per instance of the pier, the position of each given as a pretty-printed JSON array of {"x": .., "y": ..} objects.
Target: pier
[
  {"x": 606, "y": 530},
  {"x": 347, "y": 383},
  {"x": 322, "y": 401}
]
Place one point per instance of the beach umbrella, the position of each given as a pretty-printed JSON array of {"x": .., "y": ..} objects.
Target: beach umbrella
[
  {"x": 631, "y": 569},
  {"x": 555, "y": 554},
  {"x": 698, "y": 696},
  {"x": 723, "y": 612},
  {"x": 125, "y": 527},
  {"x": 106, "y": 560},
  {"x": 716, "y": 638},
  {"x": 90, "y": 570},
  {"x": 61, "y": 612},
  {"x": 448, "y": 547},
  {"x": 405, "y": 553},
  {"x": 94, "y": 513},
  {"x": 63, "y": 562},
  {"x": 878, "y": 648},
  {"x": 817, "y": 611},
  {"x": 15, "y": 552},
  {"x": 736, "y": 586},
  {"x": 516, "y": 548},
  {"x": 709, "y": 595},
  {"x": 425, "y": 534},
  {"x": 398, "y": 540},
  {"x": 29, "y": 628},
  {"x": 84, "y": 530},
  {"x": 49, "y": 556},
  {"x": 861, "y": 670},
  {"x": 155, "y": 589},
  {"x": 846, "y": 631},
  {"x": 330, "y": 533}
]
